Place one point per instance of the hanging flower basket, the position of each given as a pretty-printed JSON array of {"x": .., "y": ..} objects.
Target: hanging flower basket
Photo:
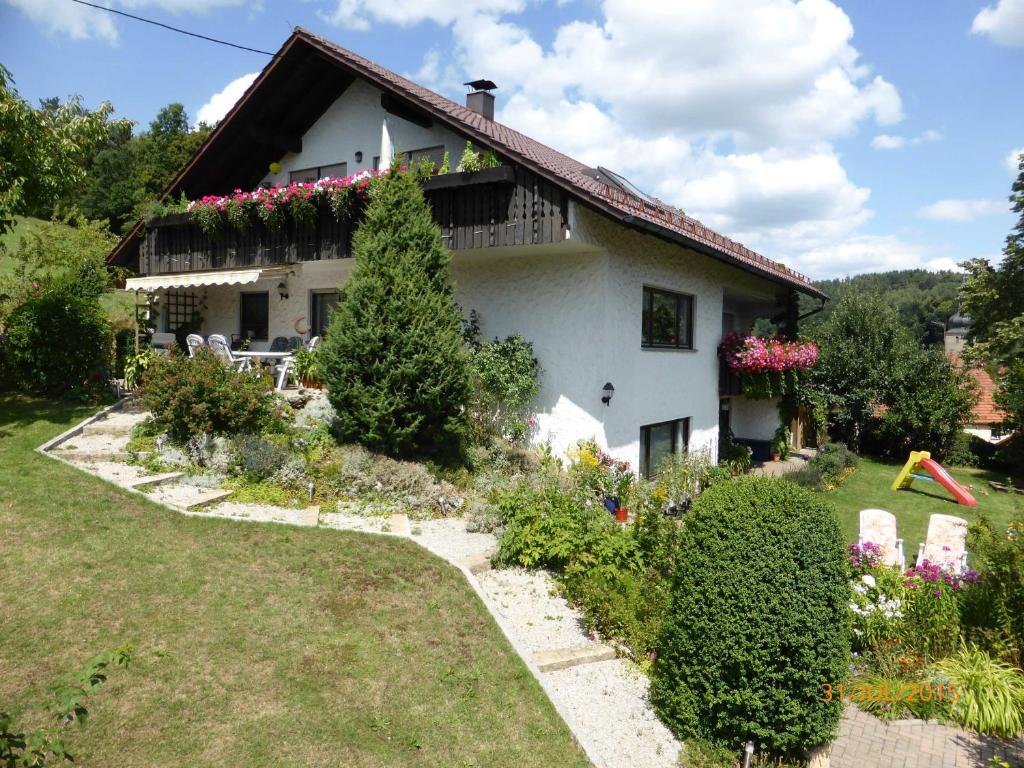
[{"x": 767, "y": 365}]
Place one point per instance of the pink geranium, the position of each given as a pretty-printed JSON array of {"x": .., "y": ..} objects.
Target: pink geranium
[{"x": 756, "y": 354}]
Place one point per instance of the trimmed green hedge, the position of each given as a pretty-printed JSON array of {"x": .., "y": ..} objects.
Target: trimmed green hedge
[{"x": 759, "y": 619}]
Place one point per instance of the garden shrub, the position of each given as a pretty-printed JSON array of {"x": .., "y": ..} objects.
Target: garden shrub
[
  {"x": 259, "y": 458},
  {"x": 758, "y": 619},
  {"x": 201, "y": 395},
  {"x": 506, "y": 379},
  {"x": 551, "y": 528},
  {"x": 993, "y": 612},
  {"x": 58, "y": 343},
  {"x": 828, "y": 469},
  {"x": 393, "y": 359},
  {"x": 682, "y": 477}
]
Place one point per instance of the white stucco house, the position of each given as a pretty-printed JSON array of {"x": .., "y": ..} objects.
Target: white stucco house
[{"x": 611, "y": 286}]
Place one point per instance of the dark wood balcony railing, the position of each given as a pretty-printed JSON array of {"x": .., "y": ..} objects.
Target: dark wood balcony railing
[{"x": 495, "y": 207}]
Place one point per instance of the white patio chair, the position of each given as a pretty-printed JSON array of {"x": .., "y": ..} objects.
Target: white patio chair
[
  {"x": 220, "y": 347},
  {"x": 194, "y": 341},
  {"x": 287, "y": 365},
  {"x": 879, "y": 527},
  {"x": 946, "y": 543}
]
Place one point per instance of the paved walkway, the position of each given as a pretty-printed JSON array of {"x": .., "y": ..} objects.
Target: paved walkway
[
  {"x": 866, "y": 742},
  {"x": 791, "y": 463}
]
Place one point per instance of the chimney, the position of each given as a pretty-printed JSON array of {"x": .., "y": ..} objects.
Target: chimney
[{"x": 480, "y": 99}]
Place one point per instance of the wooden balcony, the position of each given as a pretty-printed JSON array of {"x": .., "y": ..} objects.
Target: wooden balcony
[{"x": 492, "y": 208}]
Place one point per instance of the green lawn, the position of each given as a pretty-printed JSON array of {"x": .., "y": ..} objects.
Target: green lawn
[
  {"x": 868, "y": 487},
  {"x": 257, "y": 645}
]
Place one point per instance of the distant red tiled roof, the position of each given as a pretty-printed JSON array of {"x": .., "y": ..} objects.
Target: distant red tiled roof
[
  {"x": 566, "y": 171},
  {"x": 985, "y": 409}
]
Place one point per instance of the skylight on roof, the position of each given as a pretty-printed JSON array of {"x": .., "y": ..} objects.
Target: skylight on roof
[{"x": 621, "y": 182}]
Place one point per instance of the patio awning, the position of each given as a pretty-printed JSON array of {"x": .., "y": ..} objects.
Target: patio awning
[{"x": 196, "y": 279}]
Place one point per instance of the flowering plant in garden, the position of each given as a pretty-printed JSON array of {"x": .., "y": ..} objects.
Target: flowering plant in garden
[
  {"x": 757, "y": 354},
  {"x": 270, "y": 206},
  {"x": 866, "y": 556},
  {"x": 768, "y": 364},
  {"x": 599, "y": 473}
]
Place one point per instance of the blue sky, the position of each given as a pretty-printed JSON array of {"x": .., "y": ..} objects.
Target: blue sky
[{"x": 838, "y": 137}]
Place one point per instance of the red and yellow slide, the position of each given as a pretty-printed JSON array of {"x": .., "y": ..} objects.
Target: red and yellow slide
[{"x": 922, "y": 461}]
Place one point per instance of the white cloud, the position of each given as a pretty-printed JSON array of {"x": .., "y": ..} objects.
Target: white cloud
[
  {"x": 1002, "y": 23},
  {"x": 222, "y": 101},
  {"x": 81, "y": 22},
  {"x": 727, "y": 112},
  {"x": 1013, "y": 160},
  {"x": 357, "y": 14},
  {"x": 887, "y": 141},
  {"x": 962, "y": 209},
  {"x": 868, "y": 253}
]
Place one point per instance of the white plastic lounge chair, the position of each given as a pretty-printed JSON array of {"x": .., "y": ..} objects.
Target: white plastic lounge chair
[
  {"x": 946, "y": 543},
  {"x": 879, "y": 527},
  {"x": 194, "y": 342},
  {"x": 221, "y": 348}
]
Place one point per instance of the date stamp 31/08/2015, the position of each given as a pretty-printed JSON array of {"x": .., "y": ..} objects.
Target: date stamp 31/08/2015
[{"x": 908, "y": 692}]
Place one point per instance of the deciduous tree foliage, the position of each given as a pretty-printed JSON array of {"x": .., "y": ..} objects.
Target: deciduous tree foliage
[
  {"x": 393, "y": 360},
  {"x": 43, "y": 152},
  {"x": 993, "y": 296},
  {"x": 873, "y": 377}
]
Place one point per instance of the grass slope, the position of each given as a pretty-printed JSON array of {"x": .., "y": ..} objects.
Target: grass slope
[
  {"x": 868, "y": 487},
  {"x": 257, "y": 645}
]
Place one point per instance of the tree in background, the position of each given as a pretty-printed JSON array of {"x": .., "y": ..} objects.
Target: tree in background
[
  {"x": 922, "y": 300},
  {"x": 993, "y": 297},
  {"x": 393, "y": 359},
  {"x": 875, "y": 383},
  {"x": 128, "y": 172},
  {"x": 927, "y": 401},
  {"x": 851, "y": 375},
  {"x": 43, "y": 152}
]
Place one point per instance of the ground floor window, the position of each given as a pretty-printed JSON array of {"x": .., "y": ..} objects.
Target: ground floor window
[
  {"x": 321, "y": 303},
  {"x": 660, "y": 440},
  {"x": 255, "y": 316},
  {"x": 180, "y": 309}
]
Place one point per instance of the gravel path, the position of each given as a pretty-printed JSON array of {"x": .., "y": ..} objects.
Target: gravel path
[{"x": 448, "y": 538}]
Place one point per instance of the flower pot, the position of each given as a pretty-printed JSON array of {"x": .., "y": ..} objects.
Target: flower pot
[
  {"x": 776, "y": 456},
  {"x": 621, "y": 515},
  {"x": 311, "y": 384}
]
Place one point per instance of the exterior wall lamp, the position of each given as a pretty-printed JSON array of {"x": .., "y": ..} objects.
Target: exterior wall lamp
[
  {"x": 608, "y": 390},
  {"x": 282, "y": 290},
  {"x": 359, "y": 157}
]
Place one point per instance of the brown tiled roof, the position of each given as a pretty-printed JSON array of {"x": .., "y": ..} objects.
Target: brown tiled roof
[
  {"x": 985, "y": 409},
  {"x": 566, "y": 171},
  {"x": 651, "y": 216}
]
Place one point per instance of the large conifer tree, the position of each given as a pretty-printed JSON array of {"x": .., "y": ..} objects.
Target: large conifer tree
[{"x": 393, "y": 359}]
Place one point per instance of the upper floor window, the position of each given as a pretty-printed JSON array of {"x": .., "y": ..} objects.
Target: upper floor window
[
  {"x": 667, "y": 320},
  {"x": 414, "y": 156},
  {"x": 335, "y": 171}
]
